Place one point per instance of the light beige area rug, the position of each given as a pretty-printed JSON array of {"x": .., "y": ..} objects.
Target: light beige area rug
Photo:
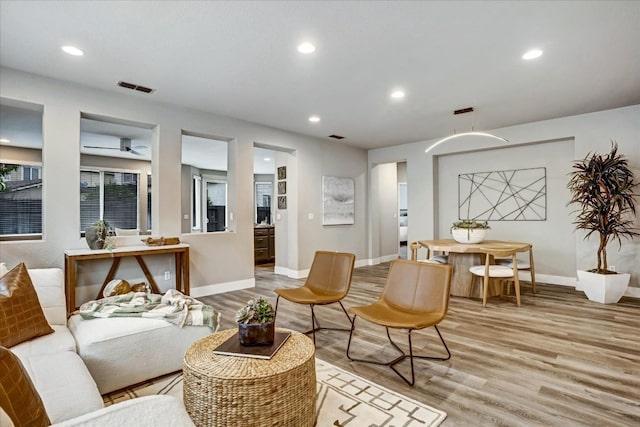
[{"x": 343, "y": 399}]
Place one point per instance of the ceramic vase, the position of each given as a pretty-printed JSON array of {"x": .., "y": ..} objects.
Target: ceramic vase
[
  {"x": 95, "y": 239},
  {"x": 252, "y": 334}
]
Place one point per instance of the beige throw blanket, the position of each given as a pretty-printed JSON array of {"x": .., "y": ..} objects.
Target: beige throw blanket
[{"x": 173, "y": 307}]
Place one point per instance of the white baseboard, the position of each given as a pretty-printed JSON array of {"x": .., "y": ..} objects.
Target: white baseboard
[
  {"x": 294, "y": 274},
  {"x": 301, "y": 274},
  {"x": 218, "y": 288},
  {"x": 550, "y": 279},
  {"x": 632, "y": 292},
  {"x": 570, "y": 281}
]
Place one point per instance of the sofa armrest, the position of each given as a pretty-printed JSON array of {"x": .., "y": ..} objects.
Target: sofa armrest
[{"x": 148, "y": 411}]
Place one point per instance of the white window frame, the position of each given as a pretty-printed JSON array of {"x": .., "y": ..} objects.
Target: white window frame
[{"x": 196, "y": 203}]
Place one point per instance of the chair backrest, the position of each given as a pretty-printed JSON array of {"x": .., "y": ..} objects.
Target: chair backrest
[
  {"x": 418, "y": 286},
  {"x": 331, "y": 272},
  {"x": 500, "y": 253}
]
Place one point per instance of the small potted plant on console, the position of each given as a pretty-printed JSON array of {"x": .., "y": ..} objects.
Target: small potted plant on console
[{"x": 256, "y": 322}]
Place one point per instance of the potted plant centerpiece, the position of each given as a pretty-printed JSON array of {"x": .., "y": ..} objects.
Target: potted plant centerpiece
[
  {"x": 256, "y": 322},
  {"x": 603, "y": 188},
  {"x": 97, "y": 235},
  {"x": 469, "y": 231}
]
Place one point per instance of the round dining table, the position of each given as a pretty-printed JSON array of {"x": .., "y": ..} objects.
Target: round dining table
[{"x": 465, "y": 255}]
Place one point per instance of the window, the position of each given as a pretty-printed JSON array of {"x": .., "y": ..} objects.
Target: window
[
  {"x": 149, "y": 227},
  {"x": 110, "y": 196},
  {"x": 216, "y": 216},
  {"x": 263, "y": 196},
  {"x": 204, "y": 177},
  {"x": 21, "y": 201}
]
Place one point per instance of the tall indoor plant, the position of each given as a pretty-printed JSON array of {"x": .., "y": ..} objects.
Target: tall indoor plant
[{"x": 603, "y": 188}]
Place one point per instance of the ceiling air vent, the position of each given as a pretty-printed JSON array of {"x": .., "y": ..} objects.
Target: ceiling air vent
[
  {"x": 134, "y": 86},
  {"x": 336, "y": 136},
  {"x": 464, "y": 110}
]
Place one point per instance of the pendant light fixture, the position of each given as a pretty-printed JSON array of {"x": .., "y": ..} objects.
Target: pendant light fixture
[{"x": 460, "y": 135}]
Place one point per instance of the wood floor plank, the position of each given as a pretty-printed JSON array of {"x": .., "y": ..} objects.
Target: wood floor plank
[{"x": 558, "y": 360}]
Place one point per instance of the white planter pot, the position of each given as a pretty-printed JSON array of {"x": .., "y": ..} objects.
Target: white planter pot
[
  {"x": 467, "y": 235},
  {"x": 603, "y": 288}
]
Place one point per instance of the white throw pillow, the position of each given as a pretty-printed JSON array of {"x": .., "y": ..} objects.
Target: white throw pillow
[{"x": 3, "y": 269}]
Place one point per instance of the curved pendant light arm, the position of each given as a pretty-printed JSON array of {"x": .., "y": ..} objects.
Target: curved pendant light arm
[{"x": 458, "y": 135}]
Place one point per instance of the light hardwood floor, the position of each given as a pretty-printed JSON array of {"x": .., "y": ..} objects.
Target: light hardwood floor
[{"x": 558, "y": 360}]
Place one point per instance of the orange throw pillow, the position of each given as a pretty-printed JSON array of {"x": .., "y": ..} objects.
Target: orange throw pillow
[
  {"x": 21, "y": 317},
  {"x": 18, "y": 397}
]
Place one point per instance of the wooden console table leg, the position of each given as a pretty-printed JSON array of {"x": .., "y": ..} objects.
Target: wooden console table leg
[
  {"x": 185, "y": 272},
  {"x": 110, "y": 275},
  {"x": 70, "y": 283},
  {"x": 179, "y": 278},
  {"x": 147, "y": 274}
]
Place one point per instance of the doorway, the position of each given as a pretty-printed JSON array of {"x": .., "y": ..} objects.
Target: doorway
[{"x": 403, "y": 220}]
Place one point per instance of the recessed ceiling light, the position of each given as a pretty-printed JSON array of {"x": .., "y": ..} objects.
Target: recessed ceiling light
[
  {"x": 314, "y": 119},
  {"x": 397, "y": 94},
  {"x": 532, "y": 54},
  {"x": 72, "y": 50},
  {"x": 4, "y": 141},
  {"x": 267, "y": 159},
  {"x": 306, "y": 47}
]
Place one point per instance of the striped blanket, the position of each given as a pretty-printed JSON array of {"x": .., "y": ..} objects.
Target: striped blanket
[{"x": 173, "y": 306}]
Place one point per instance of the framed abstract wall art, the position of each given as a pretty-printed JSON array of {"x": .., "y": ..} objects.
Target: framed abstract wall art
[{"x": 338, "y": 200}]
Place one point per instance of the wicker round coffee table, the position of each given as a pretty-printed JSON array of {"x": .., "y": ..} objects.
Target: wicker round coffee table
[{"x": 241, "y": 391}]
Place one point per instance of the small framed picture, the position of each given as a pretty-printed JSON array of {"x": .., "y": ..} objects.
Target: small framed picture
[
  {"x": 282, "y": 187},
  {"x": 282, "y": 172},
  {"x": 282, "y": 202}
]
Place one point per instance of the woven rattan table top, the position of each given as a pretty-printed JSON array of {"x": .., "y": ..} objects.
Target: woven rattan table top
[{"x": 200, "y": 357}]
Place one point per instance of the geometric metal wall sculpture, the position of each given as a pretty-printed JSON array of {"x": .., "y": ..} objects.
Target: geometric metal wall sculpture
[{"x": 508, "y": 195}]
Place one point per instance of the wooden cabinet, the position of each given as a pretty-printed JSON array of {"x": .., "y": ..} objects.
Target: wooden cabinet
[{"x": 264, "y": 239}]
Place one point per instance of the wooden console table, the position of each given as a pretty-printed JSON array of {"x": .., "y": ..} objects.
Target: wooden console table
[{"x": 73, "y": 256}]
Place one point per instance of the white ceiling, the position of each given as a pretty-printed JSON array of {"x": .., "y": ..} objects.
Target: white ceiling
[{"x": 239, "y": 59}]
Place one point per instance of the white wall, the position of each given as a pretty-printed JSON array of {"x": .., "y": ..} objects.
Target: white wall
[
  {"x": 218, "y": 260},
  {"x": 552, "y": 237},
  {"x": 589, "y": 131}
]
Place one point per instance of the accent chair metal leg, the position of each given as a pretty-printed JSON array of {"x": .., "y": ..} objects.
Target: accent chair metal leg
[
  {"x": 315, "y": 324},
  {"x": 402, "y": 356}
]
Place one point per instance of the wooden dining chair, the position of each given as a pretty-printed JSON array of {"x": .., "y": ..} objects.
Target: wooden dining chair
[
  {"x": 328, "y": 282},
  {"x": 490, "y": 271},
  {"x": 415, "y": 296},
  {"x": 522, "y": 266}
]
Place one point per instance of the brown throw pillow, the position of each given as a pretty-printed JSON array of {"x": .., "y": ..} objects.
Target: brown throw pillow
[
  {"x": 21, "y": 317},
  {"x": 18, "y": 397}
]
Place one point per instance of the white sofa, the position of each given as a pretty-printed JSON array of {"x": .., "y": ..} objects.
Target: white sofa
[{"x": 67, "y": 389}]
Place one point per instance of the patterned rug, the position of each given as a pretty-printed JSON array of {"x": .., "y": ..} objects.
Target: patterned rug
[{"x": 343, "y": 399}]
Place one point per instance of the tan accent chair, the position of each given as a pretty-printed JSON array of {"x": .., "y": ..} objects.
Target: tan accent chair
[
  {"x": 490, "y": 271},
  {"x": 415, "y": 296},
  {"x": 328, "y": 282}
]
